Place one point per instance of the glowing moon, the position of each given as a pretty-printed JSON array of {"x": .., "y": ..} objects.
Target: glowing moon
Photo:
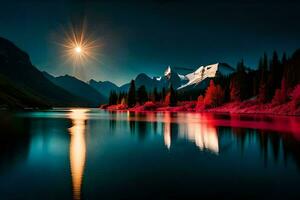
[
  {"x": 79, "y": 46},
  {"x": 78, "y": 50}
]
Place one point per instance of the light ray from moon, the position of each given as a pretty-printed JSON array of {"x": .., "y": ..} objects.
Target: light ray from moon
[{"x": 79, "y": 47}]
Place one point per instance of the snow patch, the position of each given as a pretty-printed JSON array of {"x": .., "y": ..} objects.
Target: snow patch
[{"x": 203, "y": 72}]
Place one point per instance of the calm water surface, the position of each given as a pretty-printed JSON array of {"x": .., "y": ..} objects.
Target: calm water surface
[{"x": 92, "y": 154}]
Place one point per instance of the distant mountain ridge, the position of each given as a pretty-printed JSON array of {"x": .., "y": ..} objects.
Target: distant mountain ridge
[
  {"x": 27, "y": 86},
  {"x": 103, "y": 87},
  {"x": 206, "y": 72},
  {"x": 12, "y": 96},
  {"x": 26, "y": 82},
  {"x": 199, "y": 78},
  {"x": 78, "y": 88}
]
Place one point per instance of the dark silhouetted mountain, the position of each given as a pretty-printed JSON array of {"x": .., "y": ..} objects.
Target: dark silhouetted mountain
[
  {"x": 18, "y": 69},
  {"x": 198, "y": 79},
  {"x": 125, "y": 87},
  {"x": 77, "y": 88},
  {"x": 104, "y": 87},
  {"x": 12, "y": 97},
  {"x": 171, "y": 77},
  {"x": 145, "y": 80}
]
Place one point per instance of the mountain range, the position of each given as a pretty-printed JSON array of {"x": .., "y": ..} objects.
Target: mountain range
[
  {"x": 103, "y": 87},
  {"x": 23, "y": 85},
  {"x": 196, "y": 79},
  {"x": 78, "y": 88},
  {"x": 191, "y": 81}
]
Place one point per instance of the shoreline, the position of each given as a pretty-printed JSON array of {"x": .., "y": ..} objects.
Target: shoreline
[
  {"x": 241, "y": 108},
  {"x": 210, "y": 112}
]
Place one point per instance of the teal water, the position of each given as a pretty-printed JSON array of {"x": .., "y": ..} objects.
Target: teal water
[{"x": 93, "y": 154}]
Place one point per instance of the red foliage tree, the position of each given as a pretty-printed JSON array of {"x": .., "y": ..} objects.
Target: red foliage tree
[
  {"x": 200, "y": 103},
  {"x": 214, "y": 95},
  {"x": 219, "y": 95},
  {"x": 234, "y": 90},
  {"x": 167, "y": 99},
  {"x": 277, "y": 97},
  {"x": 262, "y": 98},
  {"x": 281, "y": 95},
  {"x": 296, "y": 96}
]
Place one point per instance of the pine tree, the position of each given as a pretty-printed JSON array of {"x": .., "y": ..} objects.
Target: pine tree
[
  {"x": 263, "y": 69},
  {"x": 131, "y": 99},
  {"x": 219, "y": 95},
  {"x": 110, "y": 98},
  {"x": 281, "y": 95},
  {"x": 214, "y": 95},
  {"x": 163, "y": 93},
  {"x": 284, "y": 59},
  {"x": 275, "y": 76},
  {"x": 262, "y": 93},
  {"x": 173, "y": 96},
  {"x": 242, "y": 79},
  {"x": 284, "y": 91},
  {"x": 292, "y": 70},
  {"x": 142, "y": 95},
  {"x": 234, "y": 90},
  {"x": 156, "y": 97},
  {"x": 265, "y": 63},
  {"x": 257, "y": 79},
  {"x": 119, "y": 97},
  {"x": 113, "y": 98}
]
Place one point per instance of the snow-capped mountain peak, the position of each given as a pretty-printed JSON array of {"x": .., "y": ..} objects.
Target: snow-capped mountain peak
[
  {"x": 194, "y": 80},
  {"x": 158, "y": 78},
  {"x": 209, "y": 71},
  {"x": 168, "y": 72},
  {"x": 182, "y": 77}
]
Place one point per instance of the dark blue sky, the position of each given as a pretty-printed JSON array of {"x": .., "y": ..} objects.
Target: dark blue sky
[{"x": 147, "y": 36}]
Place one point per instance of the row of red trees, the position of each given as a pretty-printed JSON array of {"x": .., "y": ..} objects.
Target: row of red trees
[
  {"x": 213, "y": 97},
  {"x": 140, "y": 96},
  {"x": 275, "y": 81}
]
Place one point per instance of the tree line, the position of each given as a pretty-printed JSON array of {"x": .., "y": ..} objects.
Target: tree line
[
  {"x": 139, "y": 96},
  {"x": 274, "y": 80}
]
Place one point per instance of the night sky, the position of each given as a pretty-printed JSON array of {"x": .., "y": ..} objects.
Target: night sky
[{"x": 147, "y": 36}]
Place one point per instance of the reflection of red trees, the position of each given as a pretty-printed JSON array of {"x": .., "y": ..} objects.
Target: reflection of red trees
[{"x": 167, "y": 130}]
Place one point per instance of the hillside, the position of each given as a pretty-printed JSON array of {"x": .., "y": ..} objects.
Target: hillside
[
  {"x": 196, "y": 80},
  {"x": 78, "y": 88},
  {"x": 104, "y": 87},
  {"x": 12, "y": 97},
  {"x": 17, "y": 68}
]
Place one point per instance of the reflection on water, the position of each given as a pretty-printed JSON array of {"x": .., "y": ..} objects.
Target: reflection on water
[
  {"x": 14, "y": 141},
  {"x": 167, "y": 130},
  {"x": 203, "y": 134},
  {"x": 77, "y": 149},
  {"x": 43, "y": 155}
]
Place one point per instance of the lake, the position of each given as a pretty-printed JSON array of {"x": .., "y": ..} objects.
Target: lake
[{"x": 94, "y": 154}]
